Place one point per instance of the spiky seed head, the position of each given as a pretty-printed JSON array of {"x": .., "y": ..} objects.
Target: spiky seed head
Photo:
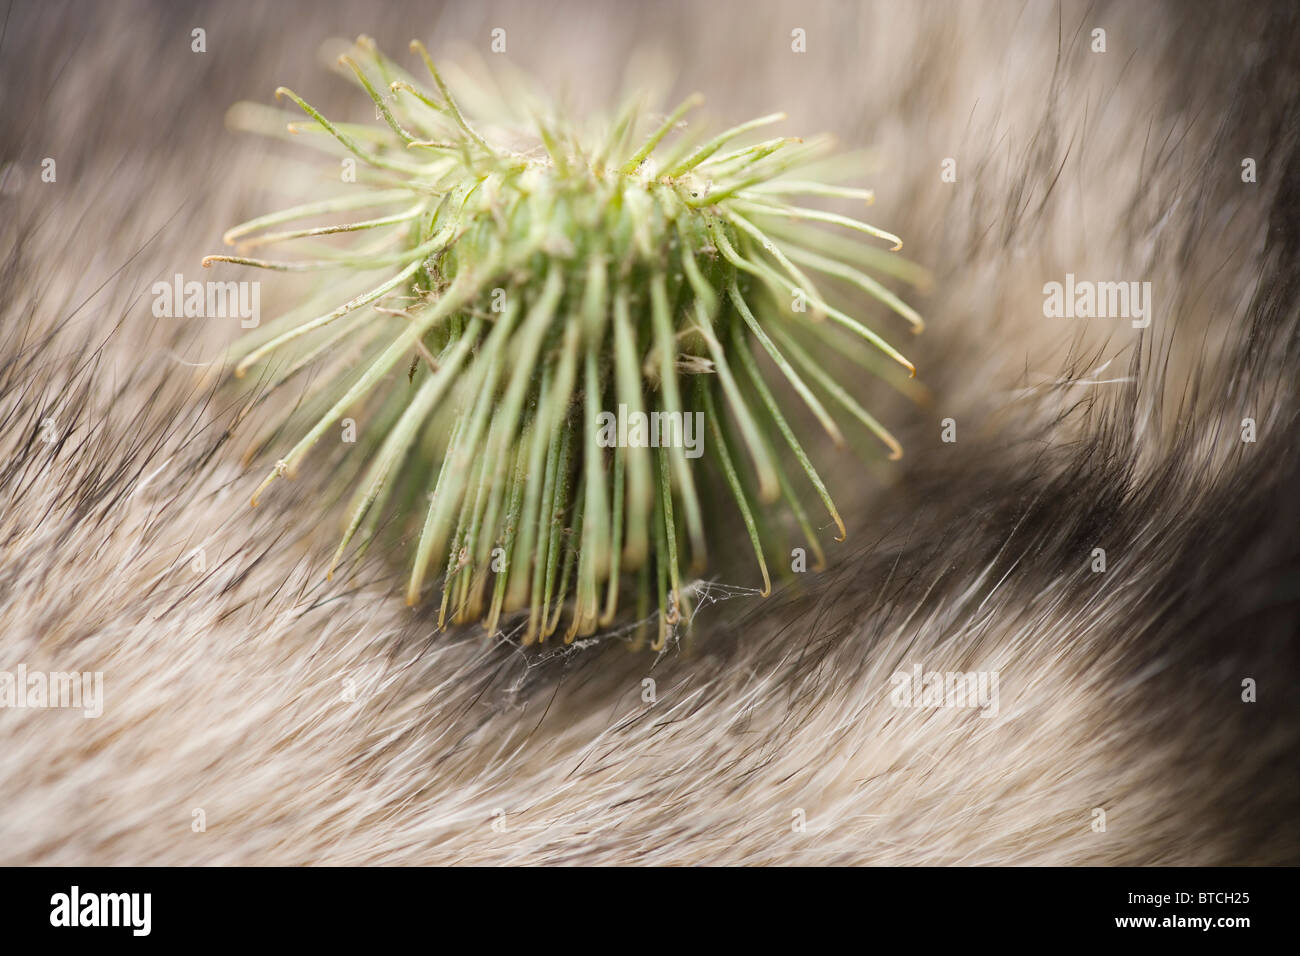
[{"x": 518, "y": 308}]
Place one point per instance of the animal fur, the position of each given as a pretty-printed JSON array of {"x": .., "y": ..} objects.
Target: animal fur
[{"x": 227, "y": 690}]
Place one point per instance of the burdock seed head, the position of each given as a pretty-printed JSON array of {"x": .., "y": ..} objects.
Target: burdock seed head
[{"x": 525, "y": 301}]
